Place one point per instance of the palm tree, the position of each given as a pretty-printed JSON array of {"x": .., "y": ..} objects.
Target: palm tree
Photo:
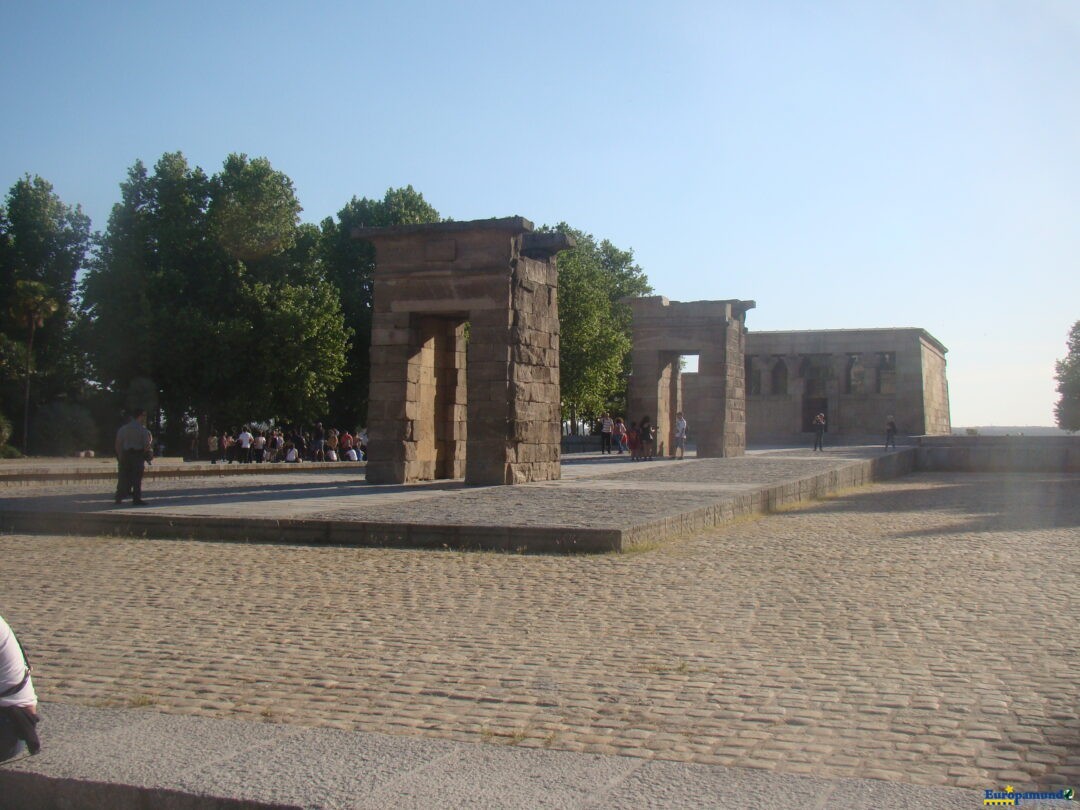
[{"x": 32, "y": 306}]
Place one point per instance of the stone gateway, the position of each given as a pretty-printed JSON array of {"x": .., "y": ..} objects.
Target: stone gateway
[
  {"x": 715, "y": 331},
  {"x": 464, "y": 352}
]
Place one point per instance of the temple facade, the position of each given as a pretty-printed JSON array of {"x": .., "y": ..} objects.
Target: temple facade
[{"x": 857, "y": 377}]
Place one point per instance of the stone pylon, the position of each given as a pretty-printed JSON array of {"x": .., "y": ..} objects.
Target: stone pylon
[
  {"x": 715, "y": 331},
  {"x": 464, "y": 352}
]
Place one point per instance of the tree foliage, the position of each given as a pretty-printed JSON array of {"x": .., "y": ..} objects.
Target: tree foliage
[
  {"x": 595, "y": 340},
  {"x": 1067, "y": 409},
  {"x": 350, "y": 266},
  {"x": 211, "y": 288},
  {"x": 43, "y": 245},
  {"x": 207, "y": 297}
]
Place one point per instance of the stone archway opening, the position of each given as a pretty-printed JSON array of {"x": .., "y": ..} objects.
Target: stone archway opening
[{"x": 440, "y": 431}]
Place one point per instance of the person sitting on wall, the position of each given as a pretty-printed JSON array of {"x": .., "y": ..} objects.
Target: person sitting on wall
[{"x": 18, "y": 701}]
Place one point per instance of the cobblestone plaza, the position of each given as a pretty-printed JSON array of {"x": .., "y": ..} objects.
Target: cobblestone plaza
[{"x": 919, "y": 631}]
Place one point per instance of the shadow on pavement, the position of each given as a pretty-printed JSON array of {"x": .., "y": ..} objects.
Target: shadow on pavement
[
  {"x": 235, "y": 492},
  {"x": 991, "y": 501}
]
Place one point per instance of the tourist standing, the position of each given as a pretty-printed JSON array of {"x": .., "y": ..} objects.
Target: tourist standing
[
  {"x": 133, "y": 443},
  {"x": 18, "y": 701},
  {"x": 646, "y": 436},
  {"x": 619, "y": 434},
  {"x": 680, "y": 436},
  {"x": 607, "y": 425},
  {"x": 819, "y": 432},
  {"x": 245, "y": 440},
  {"x": 890, "y": 432}
]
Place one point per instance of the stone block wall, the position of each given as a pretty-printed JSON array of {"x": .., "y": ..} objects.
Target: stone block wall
[
  {"x": 858, "y": 377},
  {"x": 713, "y": 330},
  {"x": 464, "y": 353}
]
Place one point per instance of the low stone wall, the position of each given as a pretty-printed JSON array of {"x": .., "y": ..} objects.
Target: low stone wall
[
  {"x": 581, "y": 444},
  {"x": 771, "y": 499},
  {"x": 998, "y": 454}
]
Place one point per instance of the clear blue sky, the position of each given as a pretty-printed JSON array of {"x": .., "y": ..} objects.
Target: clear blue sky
[{"x": 844, "y": 164}]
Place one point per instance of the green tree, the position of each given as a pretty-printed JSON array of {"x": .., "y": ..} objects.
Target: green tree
[
  {"x": 211, "y": 288},
  {"x": 350, "y": 266},
  {"x": 44, "y": 241},
  {"x": 595, "y": 340},
  {"x": 1067, "y": 409},
  {"x": 31, "y": 306}
]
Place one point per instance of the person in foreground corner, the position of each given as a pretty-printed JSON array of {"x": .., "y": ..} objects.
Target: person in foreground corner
[
  {"x": 18, "y": 701},
  {"x": 819, "y": 432},
  {"x": 890, "y": 432},
  {"x": 133, "y": 444}
]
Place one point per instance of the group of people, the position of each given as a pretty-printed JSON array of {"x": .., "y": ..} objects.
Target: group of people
[
  {"x": 638, "y": 439},
  {"x": 289, "y": 445}
]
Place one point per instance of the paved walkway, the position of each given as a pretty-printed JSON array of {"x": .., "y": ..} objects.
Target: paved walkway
[{"x": 920, "y": 631}]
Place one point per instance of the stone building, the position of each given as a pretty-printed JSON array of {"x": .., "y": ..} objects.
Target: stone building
[
  {"x": 663, "y": 331},
  {"x": 856, "y": 377},
  {"x": 464, "y": 352}
]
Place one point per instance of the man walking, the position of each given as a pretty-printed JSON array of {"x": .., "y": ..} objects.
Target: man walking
[
  {"x": 607, "y": 425},
  {"x": 680, "y": 436},
  {"x": 133, "y": 443}
]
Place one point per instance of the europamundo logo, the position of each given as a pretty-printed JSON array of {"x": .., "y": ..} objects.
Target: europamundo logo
[{"x": 1011, "y": 797}]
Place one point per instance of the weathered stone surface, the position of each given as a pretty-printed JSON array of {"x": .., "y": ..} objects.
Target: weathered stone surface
[
  {"x": 432, "y": 413},
  {"x": 715, "y": 331},
  {"x": 857, "y": 377}
]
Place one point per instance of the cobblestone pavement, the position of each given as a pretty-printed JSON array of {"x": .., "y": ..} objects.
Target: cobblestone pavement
[{"x": 920, "y": 631}]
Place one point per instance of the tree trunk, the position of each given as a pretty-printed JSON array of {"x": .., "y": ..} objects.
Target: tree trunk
[{"x": 26, "y": 398}]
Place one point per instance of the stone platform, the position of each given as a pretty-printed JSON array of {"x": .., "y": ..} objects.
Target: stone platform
[{"x": 602, "y": 503}]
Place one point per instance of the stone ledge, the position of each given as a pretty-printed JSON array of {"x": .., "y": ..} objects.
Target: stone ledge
[
  {"x": 129, "y": 759},
  {"x": 196, "y": 470}
]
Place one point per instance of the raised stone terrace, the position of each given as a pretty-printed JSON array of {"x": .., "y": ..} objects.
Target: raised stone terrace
[{"x": 602, "y": 503}]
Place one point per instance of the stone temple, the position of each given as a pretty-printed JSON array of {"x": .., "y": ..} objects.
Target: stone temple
[
  {"x": 465, "y": 364},
  {"x": 857, "y": 377},
  {"x": 464, "y": 353}
]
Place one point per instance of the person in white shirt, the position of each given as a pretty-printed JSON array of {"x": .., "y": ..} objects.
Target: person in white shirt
[
  {"x": 259, "y": 444},
  {"x": 244, "y": 440},
  {"x": 18, "y": 701},
  {"x": 680, "y": 436},
  {"x": 607, "y": 425}
]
